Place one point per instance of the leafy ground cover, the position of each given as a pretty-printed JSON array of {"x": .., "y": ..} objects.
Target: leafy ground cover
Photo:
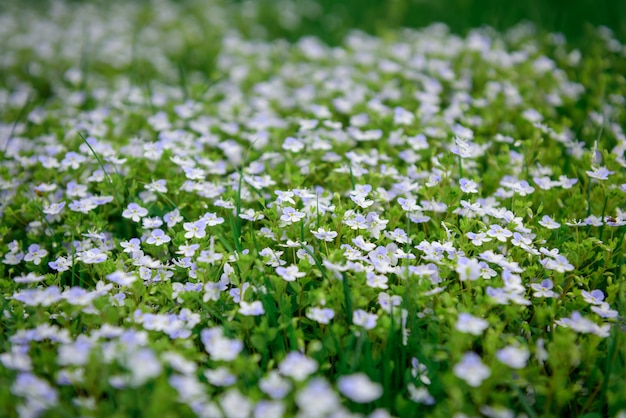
[{"x": 201, "y": 223}]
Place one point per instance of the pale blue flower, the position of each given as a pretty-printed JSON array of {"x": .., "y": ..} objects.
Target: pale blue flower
[
  {"x": 320, "y": 315},
  {"x": 158, "y": 237},
  {"x": 359, "y": 388},
  {"x": 134, "y": 212},
  {"x": 364, "y": 319},
  {"x": 35, "y": 254},
  {"x": 251, "y": 309},
  {"x": 471, "y": 369},
  {"x": 513, "y": 356},
  {"x": 297, "y": 366},
  {"x": 470, "y": 324}
]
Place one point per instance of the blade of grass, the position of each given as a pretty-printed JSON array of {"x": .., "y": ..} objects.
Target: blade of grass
[
  {"x": 225, "y": 243},
  {"x": 95, "y": 154},
  {"x": 525, "y": 404},
  {"x": 101, "y": 164},
  {"x": 347, "y": 298},
  {"x": 315, "y": 260},
  {"x": 352, "y": 177},
  {"x": 183, "y": 81},
  {"x": 236, "y": 234},
  {"x": 15, "y": 123}
]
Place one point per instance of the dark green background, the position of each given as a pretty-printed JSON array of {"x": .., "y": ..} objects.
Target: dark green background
[{"x": 573, "y": 18}]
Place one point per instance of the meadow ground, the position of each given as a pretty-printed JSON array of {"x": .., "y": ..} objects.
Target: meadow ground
[{"x": 310, "y": 209}]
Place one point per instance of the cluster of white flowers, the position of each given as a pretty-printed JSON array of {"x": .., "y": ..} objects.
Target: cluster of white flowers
[{"x": 298, "y": 191}]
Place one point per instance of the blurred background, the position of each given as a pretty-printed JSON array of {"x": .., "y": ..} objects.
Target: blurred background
[
  {"x": 330, "y": 19},
  {"x": 177, "y": 40}
]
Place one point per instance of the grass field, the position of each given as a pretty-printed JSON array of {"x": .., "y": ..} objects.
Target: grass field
[{"x": 312, "y": 209}]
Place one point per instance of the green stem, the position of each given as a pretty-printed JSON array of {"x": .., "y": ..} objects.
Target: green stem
[
  {"x": 352, "y": 177},
  {"x": 588, "y": 197},
  {"x": 17, "y": 120},
  {"x": 347, "y": 298},
  {"x": 606, "y": 199}
]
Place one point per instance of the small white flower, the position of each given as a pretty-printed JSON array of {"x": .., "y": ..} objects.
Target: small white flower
[
  {"x": 275, "y": 386},
  {"x": 134, "y": 212},
  {"x": 364, "y": 319},
  {"x": 320, "y": 315},
  {"x": 478, "y": 239},
  {"x": 318, "y": 399},
  {"x": 409, "y": 205},
  {"x": 543, "y": 289},
  {"x": 514, "y": 357},
  {"x": 235, "y": 405},
  {"x": 143, "y": 365},
  {"x": 605, "y": 311},
  {"x": 218, "y": 346},
  {"x": 595, "y": 297},
  {"x": 121, "y": 278},
  {"x": 297, "y": 366},
  {"x": 251, "y": 215},
  {"x": 158, "y": 237},
  {"x": 599, "y": 173},
  {"x": 420, "y": 395},
  {"x": 157, "y": 186},
  {"x": 499, "y": 233},
  {"x": 549, "y": 223},
  {"x": 290, "y": 274},
  {"x": 172, "y": 218},
  {"x": 471, "y": 324},
  {"x": 212, "y": 219},
  {"x": 195, "y": 229},
  {"x": 92, "y": 256},
  {"x": 359, "y": 388},
  {"x": 35, "y": 254},
  {"x": 293, "y": 145},
  {"x": 471, "y": 369},
  {"x": 251, "y": 309},
  {"x": 220, "y": 376},
  {"x": 559, "y": 263},
  {"x": 468, "y": 186},
  {"x": 468, "y": 268},
  {"x": 290, "y": 215},
  {"x": 29, "y": 278},
  {"x": 265, "y": 408},
  {"x": 324, "y": 235}
]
